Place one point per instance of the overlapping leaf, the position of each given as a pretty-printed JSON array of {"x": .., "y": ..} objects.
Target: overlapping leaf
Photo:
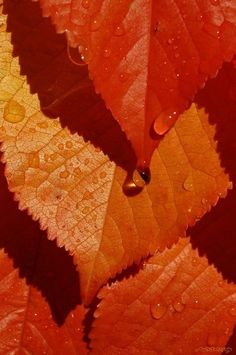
[
  {"x": 73, "y": 189},
  {"x": 177, "y": 304},
  {"x": 148, "y": 57},
  {"x": 40, "y": 311}
]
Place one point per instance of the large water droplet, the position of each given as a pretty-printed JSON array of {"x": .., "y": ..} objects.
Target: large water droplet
[
  {"x": 14, "y": 112},
  {"x": 76, "y": 56},
  {"x": 178, "y": 306},
  {"x": 165, "y": 121},
  {"x": 158, "y": 310}
]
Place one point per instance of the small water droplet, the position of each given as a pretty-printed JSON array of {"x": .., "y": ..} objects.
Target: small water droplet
[
  {"x": 119, "y": 30},
  {"x": 106, "y": 52},
  {"x": 194, "y": 261},
  {"x": 188, "y": 183},
  {"x": 102, "y": 174},
  {"x": 215, "y": 2},
  {"x": 204, "y": 201},
  {"x": 95, "y": 24},
  {"x": 85, "y": 210},
  {"x": 232, "y": 311},
  {"x": 158, "y": 310},
  {"x": 60, "y": 146},
  {"x": 211, "y": 339},
  {"x": 178, "y": 306},
  {"x": 199, "y": 17},
  {"x": 123, "y": 77},
  {"x": 14, "y": 112},
  {"x": 220, "y": 283},
  {"x": 64, "y": 174},
  {"x": 69, "y": 144},
  {"x": 170, "y": 41},
  {"x": 85, "y": 4}
]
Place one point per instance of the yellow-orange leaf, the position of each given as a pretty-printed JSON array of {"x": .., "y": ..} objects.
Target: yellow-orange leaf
[{"x": 73, "y": 189}]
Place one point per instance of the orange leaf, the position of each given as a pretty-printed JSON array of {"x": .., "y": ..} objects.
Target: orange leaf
[
  {"x": 148, "y": 58},
  {"x": 177, "y": 304},
  {"x": 72, "y": 188},
  {"x": 39, "y": 304}
]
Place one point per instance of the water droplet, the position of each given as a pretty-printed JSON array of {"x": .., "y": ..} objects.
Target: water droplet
[
  {"x": 158, "y": 310},
  {"x": 164, "y": 121},
  {"x": 215, "y": 2},
  {"x": 170, "y": 41},
  {"x": 64, "y": 174},
  {"x": 130, "y": 188},
  {"x": 220, "y": 283},
  {"x": 145, "y": 174},
  {"x": 76, "y": 55},
  {"x": 85, "y": 210},
  {"x": 194, "y": 261},
  {"x": 137, "y": 179},
  {"x": 60, "y": 146},
  {"x": 199, "y": 17},
  {"x": 204, "y": 201},
  {"x": 188, "y": 183},
  {"x": 119, "y": 30},
  {"x": 123, "y": 77},
  {"x": 95, "y": 24},
  {"x": 43, "y": 124},
  {"x": 102, "y": 174},
  {"x": 14, "y": 112},
  {"x": 211, "y": 339},
  {"x": 85, "y": 4},
  {"x": 232, "y": 311},
  {"x": 178, "y": 306},
  {"x": 69, "y": 144},
  {"x": 106, "y": 52}
]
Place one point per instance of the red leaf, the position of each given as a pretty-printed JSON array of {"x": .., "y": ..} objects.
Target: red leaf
[
  {"x": 148, "y": 58},
  {"x": 39, "y": 300},
  {"x": 177, "y": 304}
]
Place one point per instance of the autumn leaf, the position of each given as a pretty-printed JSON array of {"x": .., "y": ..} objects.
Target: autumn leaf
[
  {"x": 72, "y": 188},
  {"x": 38, "y": 303},
  {"x": 177, "y": 304},
  {"x": 148, "y": 58}
]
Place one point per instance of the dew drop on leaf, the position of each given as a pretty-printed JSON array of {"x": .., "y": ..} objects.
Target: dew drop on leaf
[
  {"x": 158, "y": 310},
  {"x": 106, "y": 52},
  {"x": 64, "y": 174},
  {"x": 14, "y": 112},
  {"x": 215, "y": 2},
  {"x": 178, "y": 306},
  {"x": 119, "y": 30},
  {"x": 232, "y": 311},
  {"x": 188, "y": 183},
  {"x": 194, "y": 261},
  {"x": 85, "y": 4},
  {"x": 95, "y": 24},
  {"x": 164, "y": 122}
]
